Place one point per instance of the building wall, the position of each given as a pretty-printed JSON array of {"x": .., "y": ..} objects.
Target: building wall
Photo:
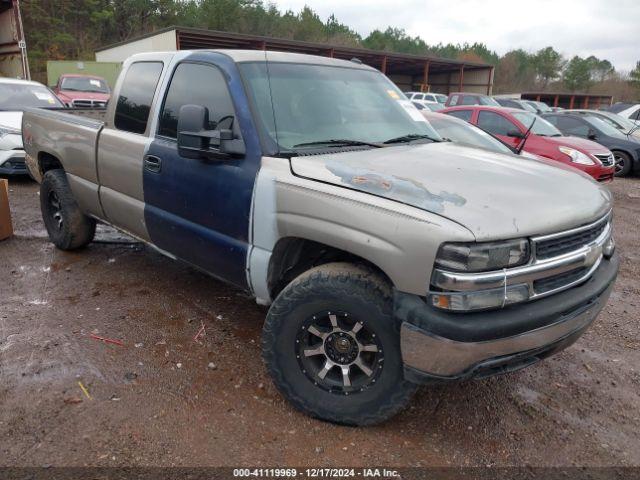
[
  {"x": 10, "y": 56},
  {"x": 107, "y": 70},
  {"x": 404, "y": 82},
  {"x": 473, "y": 81},
  {"x": 162, "y": 42}
]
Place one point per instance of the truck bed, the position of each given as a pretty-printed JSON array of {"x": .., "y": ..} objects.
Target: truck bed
[
  {"x": 92, "y": 113},
  {"x": 69, "y": 136}
]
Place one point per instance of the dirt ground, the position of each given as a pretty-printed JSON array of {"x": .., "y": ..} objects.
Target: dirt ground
[{"x": 163, "y": 399}]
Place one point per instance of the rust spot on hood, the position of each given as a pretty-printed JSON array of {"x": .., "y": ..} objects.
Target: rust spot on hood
[{"x": 403, "y": 190}]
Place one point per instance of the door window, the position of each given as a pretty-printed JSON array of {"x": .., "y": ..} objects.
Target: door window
[
  {"x": 494, "y": 123},
  {"x": 462, "y": 114},
  {"x": 136, "y": 95},
  {"x": 197, "y": 84},
  {"x": 454, "y": 100},
  {"x": 572, "y": 126}
]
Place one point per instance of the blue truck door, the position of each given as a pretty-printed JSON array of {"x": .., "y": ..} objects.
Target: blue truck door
[{"x": 200, "y": 210}]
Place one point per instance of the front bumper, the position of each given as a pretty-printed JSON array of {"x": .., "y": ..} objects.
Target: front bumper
[
  {"x": 12, "y": 162},
  {"x": 439, "y": 345}
]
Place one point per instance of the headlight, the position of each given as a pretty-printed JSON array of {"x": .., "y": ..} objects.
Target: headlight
[
  {"x": 481, "y": 299},
  {"x": 576, "y": 156},
  {"x": 4, "y": 131},
  {"x": 482, "y": 257}
]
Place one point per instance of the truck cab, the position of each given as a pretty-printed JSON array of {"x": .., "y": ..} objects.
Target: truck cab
[{"x": 387, "y": 256}]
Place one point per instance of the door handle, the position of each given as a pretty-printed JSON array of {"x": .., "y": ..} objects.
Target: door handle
[{"x": 152, "y": 163}]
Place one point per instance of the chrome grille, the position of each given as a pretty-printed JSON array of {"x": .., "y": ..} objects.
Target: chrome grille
[
  {"x": 81, "y": 103},
  {"x": 606, "y": 159},
  {"x": 557, "y": 281},
  {"x": 559, "y": 261},
  {"x": 559, "y": 245}
]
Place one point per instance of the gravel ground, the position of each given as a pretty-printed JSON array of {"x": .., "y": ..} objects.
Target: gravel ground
[{"x": 163, "y": 399}]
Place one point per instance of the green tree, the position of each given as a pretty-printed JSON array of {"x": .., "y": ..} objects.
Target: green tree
[
  {"x": 395, "y": 40},
  {"x": 577, "y": 74},
  {"x": 515, "y": 72},
  {"x": 634, "y": 75},
  {"x": 599, "y": 69},
  {"x": 548, "y": 64}
]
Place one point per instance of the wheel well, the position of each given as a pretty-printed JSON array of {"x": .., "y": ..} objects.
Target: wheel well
[
  {"x": 47, "y": 162},
  {"x": 293, "y": 256}
]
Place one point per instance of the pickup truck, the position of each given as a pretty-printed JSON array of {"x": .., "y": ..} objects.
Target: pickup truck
[
  {"x": 82, "y": 91},
  {"x": 388, "y": 257}
]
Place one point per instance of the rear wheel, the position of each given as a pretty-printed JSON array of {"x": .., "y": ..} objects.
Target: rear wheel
[
  {"x": 623, "y": 164},
  {"x": 67, "y": 226},
  {"x": 332, "y": 346}
]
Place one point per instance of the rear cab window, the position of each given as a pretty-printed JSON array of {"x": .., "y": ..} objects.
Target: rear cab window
[
  {"x": 136, "y": 95},
  {"x": 469, "y": 100}
]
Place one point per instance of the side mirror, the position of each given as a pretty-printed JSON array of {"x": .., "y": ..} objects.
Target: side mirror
[
  {"x": 197, "y": 140},
  {"x": 592, "y": 134},
  {"x": 515, "y": 134}
]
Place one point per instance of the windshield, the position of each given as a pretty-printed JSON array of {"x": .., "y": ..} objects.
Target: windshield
[
  {"x": 543, "y": 107},
  {"x": 616, "y": 120},
  {"x": 489, "y": 101},
  {"x": 434, "y": 107},
  {"x": 530, "y": 108},
  {"x": 442, "y": 98},
  {"x": 541, "y": 127},
  {"x": 302, "y": 103},
  {"x": 465, "y": 133},
  {"x": 84, "y": 84},
  {"x": 605, "y": 127},
  {"x": 18, "y": 96}
]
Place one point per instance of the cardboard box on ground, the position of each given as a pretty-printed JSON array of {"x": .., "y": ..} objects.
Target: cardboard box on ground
[{"x": 6, "y": 229}]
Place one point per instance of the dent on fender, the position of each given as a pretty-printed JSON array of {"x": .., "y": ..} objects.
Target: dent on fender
[{"x": 396, "y": 188}]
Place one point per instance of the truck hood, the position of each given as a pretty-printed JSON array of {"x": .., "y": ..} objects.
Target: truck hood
[
  {"x": 11, "y": 119},
  {"x": 495, "y": 196},
  {"x": 68, "y": 95},
  {"x": 582, "y": 144}
]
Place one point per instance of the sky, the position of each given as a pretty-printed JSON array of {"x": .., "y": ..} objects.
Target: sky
[{"x": 607, "y": 29}]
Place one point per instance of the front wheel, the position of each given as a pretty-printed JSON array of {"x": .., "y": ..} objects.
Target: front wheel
[
  {"x": 332, "y": 346},
  {"x": 622, "y": 164}
]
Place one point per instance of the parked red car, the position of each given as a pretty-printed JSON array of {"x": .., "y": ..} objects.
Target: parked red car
[
  {"x": 82, "y": 91},
  {"x": 510, "y": 125}
]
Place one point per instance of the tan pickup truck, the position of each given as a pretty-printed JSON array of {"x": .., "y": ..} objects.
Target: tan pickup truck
[{"x": 388, "y": 256}]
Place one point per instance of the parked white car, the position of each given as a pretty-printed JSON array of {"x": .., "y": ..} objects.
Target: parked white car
[
  {"x": 15, "y": 96},
  {"x": 424, "y": 98},
  {"x": 630, "y": 111}
]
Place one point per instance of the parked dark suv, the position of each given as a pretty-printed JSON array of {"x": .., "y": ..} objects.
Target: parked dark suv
[
  {"x": 625, "y": 150},
  {"x": 458, "y": 98},
  {"x": 515, "y": 103}
]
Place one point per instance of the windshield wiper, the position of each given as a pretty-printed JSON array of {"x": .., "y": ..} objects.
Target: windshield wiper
[
  {"x": 410, "y": 138},
  {"x": 633, "y": 130},
  {"x": 339, "y": 142}
]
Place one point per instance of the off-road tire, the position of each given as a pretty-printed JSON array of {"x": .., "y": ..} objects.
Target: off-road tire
[
  {"x": 67, "y": 226},
  {"x": 339, "y": 287},
  {"x": 626, "y": 161}
]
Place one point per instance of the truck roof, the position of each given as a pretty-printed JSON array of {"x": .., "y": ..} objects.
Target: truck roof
[
  {"x": 240, "y": 56},
  {"x": 80, "y": 75}
]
